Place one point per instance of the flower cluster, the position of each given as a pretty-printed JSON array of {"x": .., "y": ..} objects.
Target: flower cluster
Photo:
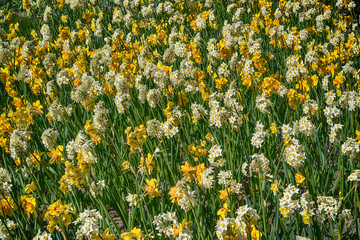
[{"x": 89, "y": 224}]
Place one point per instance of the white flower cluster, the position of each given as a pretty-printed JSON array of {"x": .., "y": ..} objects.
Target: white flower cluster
[
  {"x": 63, "y": 77},
  {"x": 223, "y": 70},
  {"x": 5, "y": 183},
  {"x": 259, "y": 164},
  {"x": 334, "y": 130},
  {"x": 303, "y": 34},
  {"x": 31, "y": 163},
  {"x": 187, "y": 68},
  {"x": 259, "y": 161},
  {"x": 310, "y": 107},
  {"x": 180, "y": 49},
  {"x": 146, "y": 11},
  {"x": 24, "y": 74},
  {"x": 328, "y": 206},
  {"x": 350, "y": 148},
  {"x": 233, "y": 225},
  {"x": 307, "y": 206},
  {"x": 47, "y": 14},
  {"x": 153, "y": 96},
  {"x": 215, "y": 156},
  {"x": 207, "y": 179},
  {"x": 289, "y": 201},
  {"x": 213, "y": 53},
  {"x": 198, "y": 111},
  {"x": 48, "y": 138},
  {"x": 5, "y": 228},
  {"x": 294, "y": 153},
  {"x": 46, "y": 34},
  {"x": 346, "y": 215},
  {"x": 235, "y": 108},
  {"x": 5, "y": 53},
  {"x": 42, "y": 236},
  {"x": 166, "y": 7},
  {"x": 75, "y": 4},
  {"x": 132, "y": 199},
  {"x": 282, "y": 91},
  {"x": 177, "y": 79},
  {"x": 122, "y": 102},
  {"x": 121, "y": 83},
  {"x": 59, "y": 113},
  {"x": 350, "y": 100},
  {"x": 286, "y": 130},
  {"x": 169, "y": 128},
  {"x": 100, "y": 117},
  {"x": 295, "y": 69},
  {"x": 219, "y": 114},
  {"x": 49, "y": 61},
  {"x": 89, "y": 224},
  {"x": 331, "y": 111},
  {"x": 305, "y": 126},
  {"x": 224, "y": 178},
  {"x": 259, "y": 136},
  {"x": 311, "y": 57},
  {"x": 141, "y": 88},
  {"x": 167, "y": 223},
  {"x": 18, "y": 143},
  {"x": 87, "y": 90},
  {"x": 200, "y": 23},
  {"x": 154, "y": 128},
  {"x": 28, "y": 48},
  {"x": 157, "y": 74},
  {"x": 247, "y": 214},
  {"x": 291, "y": 39},
  {"x": 81, "y": 145},
  {"x": 15, "y": 44},
  {"x": 263, "y": 103},
  {"x": 237, "y": 226},
  {"x": 97, "y": 187},
  {"x": 248, "y": 68},
  {"x": 302, "y": 238},
  {"x": 187, "y": 197},
  {"x": 164, "y": 223},
  {"x": 354, "y": 176}
]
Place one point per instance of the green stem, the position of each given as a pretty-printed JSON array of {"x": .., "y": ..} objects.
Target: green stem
[
  {"x": 198, "y": 224},
  {"x": 262, "y": 203}
]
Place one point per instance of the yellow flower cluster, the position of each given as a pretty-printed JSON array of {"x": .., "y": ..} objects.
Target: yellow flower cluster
[{"x": 58, "y": 216}]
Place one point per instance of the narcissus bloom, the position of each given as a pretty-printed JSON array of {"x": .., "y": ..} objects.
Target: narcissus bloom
[
  {"x": 135, "y": 234},
  {"x": 151, "y": 188},
  {"x": 58, "y": 214},
  {"x": 299, "y": 178},
  {"x": 30, "y": 187},
  {"x": 56, "y": 154},
  {"x": 28, "y": 203}
]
